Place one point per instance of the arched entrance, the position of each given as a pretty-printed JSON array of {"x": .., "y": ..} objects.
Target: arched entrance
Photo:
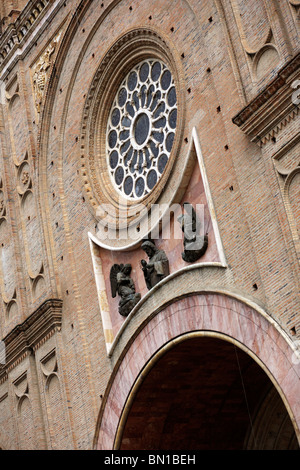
[
  {"x": 223, "y": 349},
  {"x": 206, "y": 394}
]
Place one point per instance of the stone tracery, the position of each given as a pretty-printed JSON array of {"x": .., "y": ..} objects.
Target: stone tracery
[{"x": 141, "y": 128}]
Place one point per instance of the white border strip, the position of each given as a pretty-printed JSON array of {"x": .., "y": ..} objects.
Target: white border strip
[{"x": 209, "y": 197}]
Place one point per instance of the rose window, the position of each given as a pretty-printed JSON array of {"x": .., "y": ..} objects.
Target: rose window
[{"x": 141, "y": 128}]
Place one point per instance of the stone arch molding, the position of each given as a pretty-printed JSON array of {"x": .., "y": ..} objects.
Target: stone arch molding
[{"x": 206, "y": 313}]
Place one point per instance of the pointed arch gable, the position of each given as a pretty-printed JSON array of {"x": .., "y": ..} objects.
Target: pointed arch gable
[{"x": 206, "y": 313}]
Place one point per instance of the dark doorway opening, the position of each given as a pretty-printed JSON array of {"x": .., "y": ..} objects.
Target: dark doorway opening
[{"x": 206, "y": 393}]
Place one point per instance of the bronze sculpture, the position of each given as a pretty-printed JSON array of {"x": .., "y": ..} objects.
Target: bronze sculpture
[
  {"x": 122, "y": 284},
  {"x": 158, "y": 265},
  {"x": 194, "y": 244}
]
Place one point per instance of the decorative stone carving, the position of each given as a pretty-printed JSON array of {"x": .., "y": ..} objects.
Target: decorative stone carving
[
  {"x": 194, "y": 244},
  {"x": 41, "y": 72},
  {"x": 292, "y": 198},
  {"x": 7, "y": 259},
  {"x": 15, "y": 36},
  {"x": 18, "y": 132},
  {"x": 266, "y": 116},
  {"x": 21, "y": 386},
  {"x": 30, "y": 225},
  {"x": 24, "y": 177},
  {"x": 122, "y": 284},
  {"x": 157, "y": 267}
]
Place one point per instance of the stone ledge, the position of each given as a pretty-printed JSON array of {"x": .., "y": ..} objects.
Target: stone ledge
[
  {"x": 273, "y": 108},
  {"x": 30, "y": 334}
]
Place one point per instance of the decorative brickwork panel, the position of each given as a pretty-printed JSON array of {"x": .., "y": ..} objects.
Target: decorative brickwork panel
[
  {"x": 55, "y": 405},
  {"x": 26, "y": 203},
  {"x": 24, "y": 409},
  {"x": 296, "y": 7},
  {"x": 41, "y": 71},
  {"x": 31, "y": 228},
  {"x": 253, "y": 23},
  {"x": 7, "y": 420},
  {"x": 141, "y": 128},
  {"x": 294, "y": 199},
  {"x": 8, "y": 269},
  {"x": 18, "y": 132},
  {"x": 26, "y": 425},
  {"x": 230, "y": 319},
  {"x": 256, "y": 37},
  {"x": 57, "y": 416},
  {"x": 232, "y": 63},
  {"x": 286, "y": 162}
]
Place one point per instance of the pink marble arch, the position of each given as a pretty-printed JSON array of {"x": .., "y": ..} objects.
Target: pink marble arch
[{"x": 205, "y": 314}]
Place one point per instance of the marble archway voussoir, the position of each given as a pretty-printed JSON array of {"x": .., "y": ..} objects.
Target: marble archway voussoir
[{"x": 207, "y": 314}]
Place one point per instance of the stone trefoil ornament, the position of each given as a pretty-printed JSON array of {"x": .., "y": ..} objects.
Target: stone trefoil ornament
[
  {"x": 121, "y": 283},
  {"x": 157, "y": 267},
  {"x": 194, "y": 244}
]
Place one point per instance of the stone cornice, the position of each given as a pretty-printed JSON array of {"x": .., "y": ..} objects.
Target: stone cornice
[
  {"x": 31, "y": 334},
  {"x": 16, "y": 33},
  {"x": 18, "y": 38},
  {"x": 273, "y": 108}
]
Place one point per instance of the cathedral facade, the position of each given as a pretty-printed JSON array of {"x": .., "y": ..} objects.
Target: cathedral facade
[{"x": 149, "y": 224}]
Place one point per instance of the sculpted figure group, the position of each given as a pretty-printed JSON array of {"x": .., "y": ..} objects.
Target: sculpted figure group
[
  {"x": 156, "y": 267},
  {"x": 154, "y": 270}
]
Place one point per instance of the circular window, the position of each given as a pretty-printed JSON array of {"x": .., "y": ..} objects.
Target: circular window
[{"x": 141, "y": 128}]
